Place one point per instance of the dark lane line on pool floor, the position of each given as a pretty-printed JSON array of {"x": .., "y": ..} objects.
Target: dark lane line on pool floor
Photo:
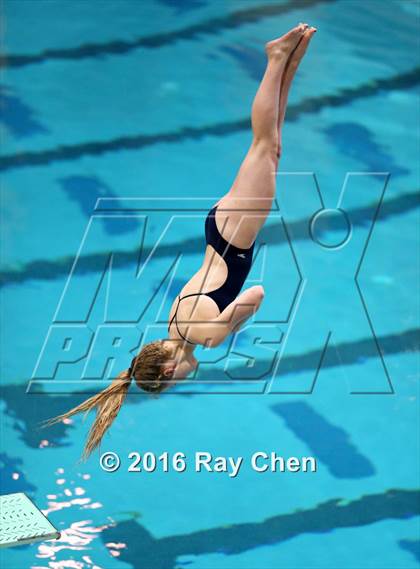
[
  {"x": 28, "y": 413},
  {"x": 331, "y": 444},
  {"x": 17, "y": 117},
  {"x": 123, "y": 46},
  {"x": 329, "y": 516},
  {"x": 412, "y": 546},
  {"x": 13, "y": 475},
  {"x": 43, "y": 269},
  {"x": 310, "y": 105}
]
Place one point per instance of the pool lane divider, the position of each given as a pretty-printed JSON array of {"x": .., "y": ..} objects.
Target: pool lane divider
[
  {"x": 47, "y": 270},
  {"x": 213, "y": 26},
  {"x": 311, "y": 105}
]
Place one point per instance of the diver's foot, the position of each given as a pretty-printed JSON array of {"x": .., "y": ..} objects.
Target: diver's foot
[
  {"x": 282, "y": 47},
  {"x": 290, "y": 70},
  {"x": 298, "y": 53}
]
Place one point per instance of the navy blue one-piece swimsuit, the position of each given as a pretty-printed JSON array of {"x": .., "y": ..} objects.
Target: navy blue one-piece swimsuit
[{"x": 238, "y": 263}]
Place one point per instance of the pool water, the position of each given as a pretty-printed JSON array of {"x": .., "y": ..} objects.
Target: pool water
[{"x": 122, "y": 121}]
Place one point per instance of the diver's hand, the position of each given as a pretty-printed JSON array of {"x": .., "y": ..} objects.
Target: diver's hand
[{"x": 184, "y": 368}]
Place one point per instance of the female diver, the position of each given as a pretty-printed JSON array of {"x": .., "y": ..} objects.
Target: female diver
[{"x": 208, "y": 307}]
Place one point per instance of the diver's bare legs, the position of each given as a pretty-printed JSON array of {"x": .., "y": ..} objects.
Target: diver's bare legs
[
  {"x": 255, "y": 184},
  {"x": 291, "y": 67},
  {"x": 265, "y": 107}
]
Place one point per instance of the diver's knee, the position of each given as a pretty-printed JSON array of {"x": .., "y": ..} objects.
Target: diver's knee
[{"x": 268, "y": 146}]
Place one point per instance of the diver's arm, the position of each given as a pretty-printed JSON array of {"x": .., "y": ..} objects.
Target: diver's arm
[
  {"x": 242, "y": 308},
  {"x": 214, "y": 332}
]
